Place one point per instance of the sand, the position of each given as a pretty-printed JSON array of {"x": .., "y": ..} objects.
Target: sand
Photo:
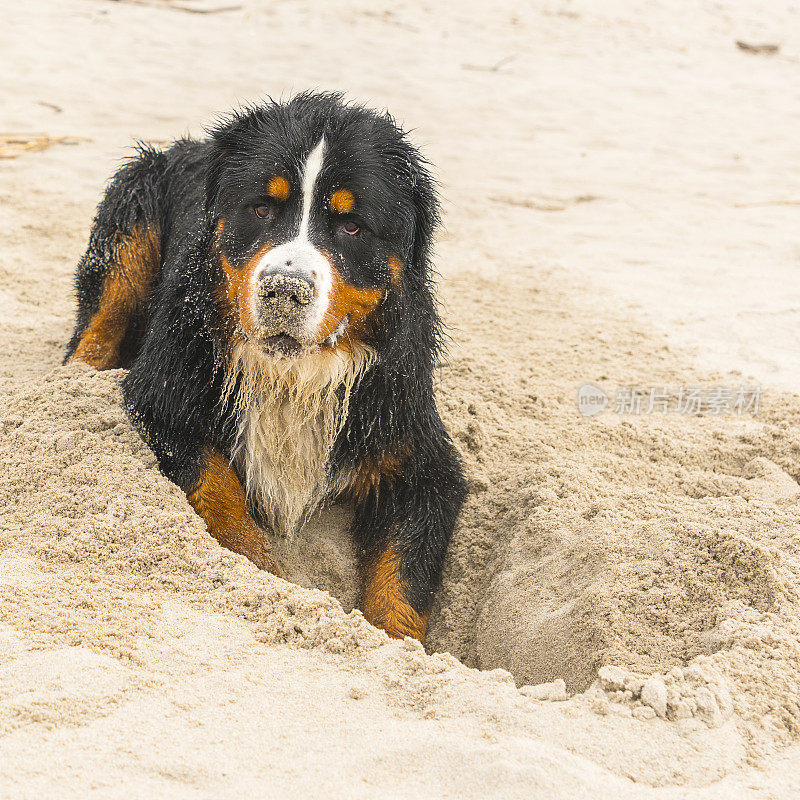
[{"x": 620, "y": 614}]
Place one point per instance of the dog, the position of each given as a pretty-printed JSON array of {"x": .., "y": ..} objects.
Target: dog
[{"x": 270, "y": 292}]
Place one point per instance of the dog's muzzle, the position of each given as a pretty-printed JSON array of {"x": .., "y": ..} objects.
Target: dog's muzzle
[
  {"x": 283, "y": 301},
  {"x": 291, "y": 287}
]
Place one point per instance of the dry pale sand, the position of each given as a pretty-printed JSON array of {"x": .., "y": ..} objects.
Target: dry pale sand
[{"x": 604, "y": 174}]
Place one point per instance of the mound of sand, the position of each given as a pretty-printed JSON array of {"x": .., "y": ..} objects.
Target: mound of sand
[
  {"x": 652, "y": 542},
  {"x": 662, "y": 552}
]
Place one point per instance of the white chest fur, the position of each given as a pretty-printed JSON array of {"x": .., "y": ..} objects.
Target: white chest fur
[
  {"x": 282, "y": 456},
  {"x": 290, "y": 412}
]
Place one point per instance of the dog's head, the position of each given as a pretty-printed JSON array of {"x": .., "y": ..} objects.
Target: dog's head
[{"x": 322, "y": 211}]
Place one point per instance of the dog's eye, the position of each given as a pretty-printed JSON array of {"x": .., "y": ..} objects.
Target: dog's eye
[
  {"x": 265, "y": 211},
  {"x": 350, "y": 228}
]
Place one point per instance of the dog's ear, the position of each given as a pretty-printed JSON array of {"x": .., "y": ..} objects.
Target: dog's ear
[
  {"x": 213, "y": 172},
  {"x": 226, "y": 137},
  {"x": 215, "y": 164},
  {"x": 426, "y": 213}
]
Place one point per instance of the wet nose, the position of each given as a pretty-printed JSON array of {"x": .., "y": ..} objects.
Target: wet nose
[{"x": 285, "y": 291}]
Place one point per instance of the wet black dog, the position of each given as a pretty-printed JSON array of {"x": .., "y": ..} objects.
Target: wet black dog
[{"x": 270, "y": 291}]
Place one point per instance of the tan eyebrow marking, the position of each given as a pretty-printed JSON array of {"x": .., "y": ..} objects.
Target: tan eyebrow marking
[
  {"x": 343, "y": 201},
  {"x": 278, "y": 188}
]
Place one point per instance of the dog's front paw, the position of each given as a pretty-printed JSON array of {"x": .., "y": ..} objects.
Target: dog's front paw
[{"x": 263, "y": 559}]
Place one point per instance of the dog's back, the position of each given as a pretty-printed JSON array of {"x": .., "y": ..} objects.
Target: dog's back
[{"x": 150, "y": 208}]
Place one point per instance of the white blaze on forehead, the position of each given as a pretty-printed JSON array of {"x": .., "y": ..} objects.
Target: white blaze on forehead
[
  {"x": 299, "y": 255},
  {"x": 313, "y": 167}
]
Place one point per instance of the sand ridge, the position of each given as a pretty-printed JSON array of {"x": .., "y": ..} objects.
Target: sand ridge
[{"x": 113, "y": 600}]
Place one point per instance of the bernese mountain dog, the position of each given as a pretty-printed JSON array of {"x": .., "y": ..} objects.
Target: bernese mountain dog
[{"x": 270, "y": 292}]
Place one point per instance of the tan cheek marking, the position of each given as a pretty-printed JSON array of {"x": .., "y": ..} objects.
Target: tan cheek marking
[
  {"x": 126, "y": 289},
  {"x": 385, "y": 605},
  {"x": 347, "y": 300},
  {"x": 343, "y": 201},
  {"x": 238, "y": 290},
  {"x": 278, "y": 188},
  {"x": 396, "y": 270}
]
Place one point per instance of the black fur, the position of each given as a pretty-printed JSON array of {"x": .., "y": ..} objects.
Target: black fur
[{"x": 175, "y": 346}]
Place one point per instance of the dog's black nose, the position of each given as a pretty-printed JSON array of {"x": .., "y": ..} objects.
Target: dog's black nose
[{"x": 285, "y": 292}]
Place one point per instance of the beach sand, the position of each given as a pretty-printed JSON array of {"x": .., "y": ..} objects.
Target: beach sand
[{"x": 620, "y": 610}]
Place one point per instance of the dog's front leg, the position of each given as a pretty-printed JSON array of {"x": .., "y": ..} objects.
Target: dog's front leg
[
  {"x": 394, "y": 598},
  {"x": 220, "y": 500},
  {"x": 404, "y": 518}
]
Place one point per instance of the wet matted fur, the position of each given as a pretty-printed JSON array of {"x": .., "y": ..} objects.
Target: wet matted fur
[{"x": 270, "y": 291}]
